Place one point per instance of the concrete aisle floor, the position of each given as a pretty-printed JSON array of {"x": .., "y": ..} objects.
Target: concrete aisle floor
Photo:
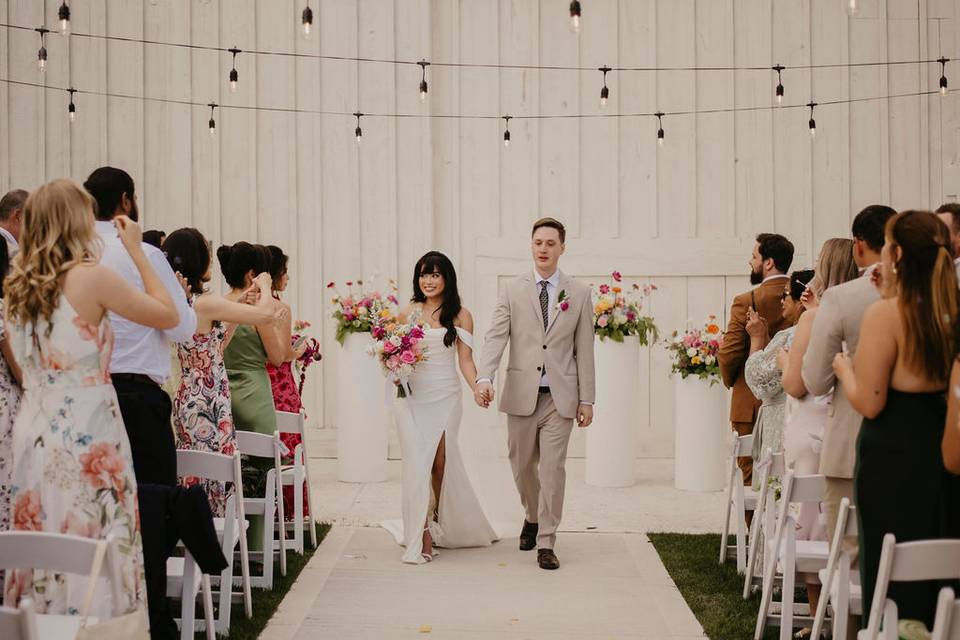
[{"x": 611, "y": 584}]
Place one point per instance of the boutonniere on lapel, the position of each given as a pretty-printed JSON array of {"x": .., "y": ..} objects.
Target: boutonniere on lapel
[{"x": 563, "y": 303}]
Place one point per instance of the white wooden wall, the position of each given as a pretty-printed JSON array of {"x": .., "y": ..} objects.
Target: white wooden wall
[{"x": 682, "y": 216}]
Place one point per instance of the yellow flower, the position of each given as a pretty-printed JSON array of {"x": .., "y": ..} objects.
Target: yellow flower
[
  {"x": 385, "y": 313},
  {"x": 695, "y": 360}
]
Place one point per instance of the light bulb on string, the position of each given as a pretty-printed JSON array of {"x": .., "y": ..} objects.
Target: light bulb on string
[
  {"x": 660, "y": 134},
  {"x": 358, "y": 132},
  {"x": 63, "y": 14},
  {"x": 604, "y": 92},
  {"x": 779, "y": 91},
  {"x": 813, "y": 123},
  {"x": 212, "y": 124},
  {"x": 423, "y": 80},
  {"x": 306, "y": 19},
  {"x": 506, "y": 131},
  {"x": 943, "y": 75},
  {"x": 575, "y": 16},
  {"x": 234, "y": 75},
  {"x": 42, "y": 53},
  {"x": 72, "y": 108},
  {"x": 853, "y": 7}
]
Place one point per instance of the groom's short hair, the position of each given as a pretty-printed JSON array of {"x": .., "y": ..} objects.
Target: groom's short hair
[{"x": 553, "y": 224}]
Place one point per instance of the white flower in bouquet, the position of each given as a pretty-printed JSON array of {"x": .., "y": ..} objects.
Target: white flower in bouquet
[
  {"x": 395, "y": 341},
  {"x": 710, "y": 360},
  {"x": 691, "y": 352},
  {"x": 619, "y": 318},
  {"x": 362, "y": 311}
]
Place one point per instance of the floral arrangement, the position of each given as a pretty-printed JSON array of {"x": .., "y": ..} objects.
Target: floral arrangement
[
  {"x": 617, "y": 314},
  {"x": 309, "y": 355},
  {"x": 398, "y": 350},
  {"x": 359, "y": 311},
  {"x": 695, "y": 352}
]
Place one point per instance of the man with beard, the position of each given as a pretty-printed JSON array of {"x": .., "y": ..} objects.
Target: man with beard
[{"x": 769, "y": 264}]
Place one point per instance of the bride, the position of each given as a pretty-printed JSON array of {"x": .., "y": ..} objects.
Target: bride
[{"x": 440, "y": 508}]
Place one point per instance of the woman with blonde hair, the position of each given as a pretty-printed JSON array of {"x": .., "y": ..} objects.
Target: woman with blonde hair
[
  {"x": 908, "y": 343},
  {"x": 73, "y": 470}
]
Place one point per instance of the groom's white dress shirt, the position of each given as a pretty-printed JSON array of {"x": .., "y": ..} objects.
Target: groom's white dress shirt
[
  {"x": 552, "y": 283},
  {"x": 140, "y": 349}
]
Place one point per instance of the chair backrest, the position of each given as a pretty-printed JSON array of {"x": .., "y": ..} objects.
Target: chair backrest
[
  {"x": 294, "y": 422},
  {"x": 946, "y": 624},
  {"x": 209, "y": 466},
  {"x": 804, "y": 488},
  {"x": 258, "y": 445},
  {"x": 19, "y": 623},
  {"x": 742, "y": 445}
]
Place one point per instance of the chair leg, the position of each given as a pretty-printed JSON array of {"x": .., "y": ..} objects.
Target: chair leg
[
  {"x": 310, "y": 505},
  {"x": 789, "y": 584},
  {"x": 281, "y": 526},
  {"x": 741, "y": 535},
  {"x": 724, "y": 533},
  {"x": 244, "y": 572},
  {"x": 754, "y": 540},
  {"x": 188, "y": 598},
  {"x": 208, "y": 607},
  {"x": 298, "y": 480}
]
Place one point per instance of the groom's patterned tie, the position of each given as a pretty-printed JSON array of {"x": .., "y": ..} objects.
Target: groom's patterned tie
[{"x": 544, "y": 303}]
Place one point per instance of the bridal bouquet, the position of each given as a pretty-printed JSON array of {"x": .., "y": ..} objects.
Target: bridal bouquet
[
  {"x": 695, "y": 352},
  {"x": 359, "y": 310},
  {"x": 311, "y": 350},
  {"x": 398, "y": 350},
  {"x": 617, "y": 314}
]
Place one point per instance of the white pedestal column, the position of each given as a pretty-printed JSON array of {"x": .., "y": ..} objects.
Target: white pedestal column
[
  {"x": 700, "y": 432},
  {"x": 611, "y": 441},
  {"x": 362, "y": 415}
]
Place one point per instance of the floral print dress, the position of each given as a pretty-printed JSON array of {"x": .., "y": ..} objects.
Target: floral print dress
[
  {"x": 202, "y": 418},
  {"x": 9, "y": 404},
  {"x": 72, "y": 466},
  {"x": 766, "y": 383},
  {"x": 286, "y": 397}
]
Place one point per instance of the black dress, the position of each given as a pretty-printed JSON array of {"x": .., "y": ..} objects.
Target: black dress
[{"x": 902, "y": 487}]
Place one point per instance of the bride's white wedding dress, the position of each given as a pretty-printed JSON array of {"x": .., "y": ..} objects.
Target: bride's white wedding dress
[{"x": 433, "y": 409}]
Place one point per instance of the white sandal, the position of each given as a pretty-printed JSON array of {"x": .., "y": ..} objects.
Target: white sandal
[{"x": 428, "y": 557}]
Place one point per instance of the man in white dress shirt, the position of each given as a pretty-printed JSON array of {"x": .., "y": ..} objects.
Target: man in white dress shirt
[{"x": 11, "y": 219}]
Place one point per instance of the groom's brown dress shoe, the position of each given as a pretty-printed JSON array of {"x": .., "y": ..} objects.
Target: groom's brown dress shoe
[
  {"x": 547, "y": 559},
  {"x": 528, "y": 536}
]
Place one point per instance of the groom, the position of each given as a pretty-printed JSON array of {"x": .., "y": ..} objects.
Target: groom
[{"x": 548, "y": 319}]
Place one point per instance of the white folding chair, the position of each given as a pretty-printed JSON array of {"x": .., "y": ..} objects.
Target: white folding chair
[
  {"x": 740, "y": 500},
  {"x": 65, "y": 554},
  {"x": 907, "y": 562},
  {"x": 19, "y": 623},
  {"x": 184, "y": 579},
  {"x": 791, "y": 556},
  {"x": 946, "y": 624},
  {"x": 764, "y": 517},
  {"x": 841, "y": 586},
  {"x": 297, "y": 475},
  {"x": 259, "y": 445}
]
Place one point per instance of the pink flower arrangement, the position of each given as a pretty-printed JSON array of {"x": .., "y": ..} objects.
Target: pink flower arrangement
[
  {"x": 398, "y": 349},
  {"x": 617, "y": 314},
  {"x": 359, "y": 311},
  {"x": 695, "y": 351}
]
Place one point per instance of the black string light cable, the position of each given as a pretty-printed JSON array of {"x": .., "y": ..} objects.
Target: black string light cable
[
  {"x": 943, "y": 75},
  {"x": 72, "y": 108},
  {"x": 605, "y": 91},
  {"x": 234, "y": 75},
  {"x": 506, "y": 130},
  {"x": 423, "y": 79},
  {"x": 63, "y": 15},
  {"x": 813, "y": 123},
  {"x": 659, "y": 115},
  {"x": 212, "y": 124},
  {"x": 42, "y": 53},
  {"x": 575, "y": 10},
  {"x": 779, "y": 90},
  {"x": 306, "y": 20},
  {"x": 358, "y": 131}
]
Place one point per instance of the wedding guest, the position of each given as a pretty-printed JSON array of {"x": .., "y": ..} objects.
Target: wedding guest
[
  {"x": 11, "y": 219},
  {"x": 10, "y": 383},
  {"x": 760, "y": 371},
  {"x": 769, "y": 263},
  {"x": 202, "y": 418},
  {"x": 897, "y": 381},
  {"x": 949, "y": 212},
  {"x": 837, "y": 324},
  {"x": 284, "y": 387},
  {"x": 154, "y": 237},
  {"x": 57, "y": 300}
]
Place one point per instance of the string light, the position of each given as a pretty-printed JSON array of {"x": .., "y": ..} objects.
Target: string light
[
  {"x": 506, "y": 131},
  {"x": 659, "y": 115},
  {"x": 853, "y": 7},
  {"x": 813, "y": 123},
  {"x": 42, "y": 54},
  {"x": 943, "y": 75},
  {"x": 358, "y": 131},
  {"x": 306, "y": 18},
  {"x": 423, "y": 79},
  {"x": 779, "y": 92},
  {"x": 63, "y": 14},
  {"x": 72, "y": 108},
  {"x": 575, "y": 16},
  {"x": 234, "y": 76},
  {"x": 212, "y": 124},
  {"x": 604, "y": 92}
]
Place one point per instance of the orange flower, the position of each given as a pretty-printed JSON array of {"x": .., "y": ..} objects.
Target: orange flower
[
  {"x": 617, "y": 289},
  {"x": 712, "y": 328},
  {"x": 103, "y": 468},
  {"x": 26, "y": 512}
]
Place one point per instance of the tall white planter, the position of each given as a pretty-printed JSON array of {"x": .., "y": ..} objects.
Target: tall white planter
[
  {"x": 611, "y": 441},
  {"x": 700, "y": 434},
  {"x": 362, "y": 415}
]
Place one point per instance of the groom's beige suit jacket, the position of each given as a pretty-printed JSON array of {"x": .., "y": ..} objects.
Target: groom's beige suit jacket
[{"x": 565, "y": 348}]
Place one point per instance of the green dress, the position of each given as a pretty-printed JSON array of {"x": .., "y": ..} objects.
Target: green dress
[{"x": 251, "y": 401}]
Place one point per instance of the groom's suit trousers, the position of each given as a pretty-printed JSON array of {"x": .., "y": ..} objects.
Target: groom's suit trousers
[{"x": 538, "y": 453}]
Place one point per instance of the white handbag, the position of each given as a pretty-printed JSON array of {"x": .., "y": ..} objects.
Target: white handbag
[{"x": 130, "y": 626}]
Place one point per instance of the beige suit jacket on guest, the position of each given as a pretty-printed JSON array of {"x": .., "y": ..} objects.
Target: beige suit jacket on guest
[
  {"x": 838, "y": 319},
  {"x": 565, "y": 348}
]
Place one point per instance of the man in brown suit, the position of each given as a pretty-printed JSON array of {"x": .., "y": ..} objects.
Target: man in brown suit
[{"x": 769, "y": 264}]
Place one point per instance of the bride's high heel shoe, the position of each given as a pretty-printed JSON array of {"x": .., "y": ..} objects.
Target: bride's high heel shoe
[{"x": 428, "y": 557}]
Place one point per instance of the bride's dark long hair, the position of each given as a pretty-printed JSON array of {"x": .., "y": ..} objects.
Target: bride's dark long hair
[{"x": 436, "y": 262}]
